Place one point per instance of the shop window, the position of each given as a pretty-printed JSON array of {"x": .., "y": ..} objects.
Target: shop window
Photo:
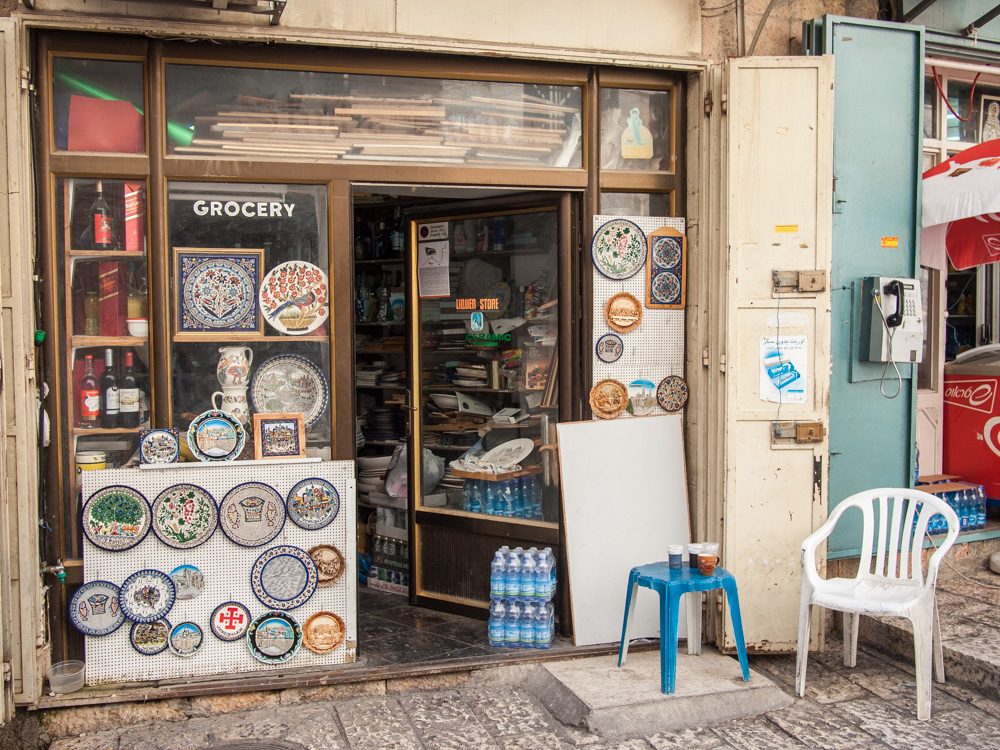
[
  {"x": 97, "y": 105},
  {"x": 931, "y": 307},
  {"x": 262, "y": 113},
  {"x": 636, "y": 130},
  {"x": 636, "y": 204},
  {"x": 931, "y": 100},
  {"x": 978, "y": 109}
]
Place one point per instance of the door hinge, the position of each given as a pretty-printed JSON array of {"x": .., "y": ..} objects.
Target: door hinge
[
  {"x": 704, "y": 357},
  {"x": 724, "y": 101},
  {"x": 722, "y": 363},
  {"x": 6, "y": 671},
  {"x": 25, "y": 81},
  {"x": 708, "y": 104}
]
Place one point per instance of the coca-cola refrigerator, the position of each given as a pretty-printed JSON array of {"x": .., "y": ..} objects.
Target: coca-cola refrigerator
[{"x": 972, "y": 417}]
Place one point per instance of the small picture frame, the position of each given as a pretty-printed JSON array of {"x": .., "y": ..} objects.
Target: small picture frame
[
  {"x": 279, "y": 436},
  {"x": 989, "y": 118},
  {"x": 217, "y": 291}
]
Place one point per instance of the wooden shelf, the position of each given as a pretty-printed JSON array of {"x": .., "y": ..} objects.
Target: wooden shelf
[
  {"x": 496, "y": 477},
  {"x": 500, "y": 253},
  {"x": 380, "y": 262},
  {"x": 101, "y": 431},
  {"x": 106, "y": 255},
  {"x": 468, "y": 388},
  {"x": 380, "y": 323},
  {"x": 383, "y": 442},
  {"x": 380, "y": 387},
  {"x": 249, "y": 338},
  {"x": 82, "y": 342}
]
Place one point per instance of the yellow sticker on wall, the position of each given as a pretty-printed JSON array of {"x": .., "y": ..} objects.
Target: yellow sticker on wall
[
  {"x": 888, "y": 242},
  {"x": 786, "y": 228}
]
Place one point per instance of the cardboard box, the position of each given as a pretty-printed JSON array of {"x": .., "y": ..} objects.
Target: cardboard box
[
  {"x": 113, "y": 296},
  {"x": 135, "y": 217}
]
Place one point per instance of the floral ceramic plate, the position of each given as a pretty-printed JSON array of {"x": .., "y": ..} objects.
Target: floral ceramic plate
[
  {"x": 184, "y": 516},
  {"x": 623, "y": 312},
  {"x": 608, "y": 399},
  {"x": 188, "y": 580},
  {"x": 284, "y": 577},
  {"x": 295, "y": 297},
  {"x": 252, "y": 514},
  {"x": 147, "y": 595},
  {"x": 216, "y": 436},
  {"x": 329, "y": 563},
  {"x": 609, "y": 348},
  {"x": 291, "y": 384},
  {"x": 159, "y": 446},
  {"x": 665, "y": 287},
  {"x": 323, "y": 632},
  {"x": 508, "y": 454},
  {"x": 230, "y": 621},
  {"x": 274, "y": 637},
  {"x": 672, "y": 393},
  {"x": 218, "y": 292},
  {"x": 619, "y": 249},
  {"x": 94, "y": 609},
  {"x": 666, "y": 252},
  {"x": 185, "y": 639},
  {"x": 313, "y": 503},
  {"x": 150, "y": 638},
  {"x": 116, "y": 518}
]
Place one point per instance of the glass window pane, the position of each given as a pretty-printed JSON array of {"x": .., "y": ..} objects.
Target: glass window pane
[
  {"x": 636, "y": 204},
  {"x": 635, "y": 130},
  {"x": 931, "y": 99},
  {"x": 97, "y": 105},
  {"x": 982, "y": 122},
  {"x": 260, "y": 113}
]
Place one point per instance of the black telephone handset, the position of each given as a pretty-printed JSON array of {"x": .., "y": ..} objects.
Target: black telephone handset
[{"x": 895, "y": 319}]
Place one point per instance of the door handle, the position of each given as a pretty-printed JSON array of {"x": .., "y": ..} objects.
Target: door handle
[{"x": 409, "y": 402}]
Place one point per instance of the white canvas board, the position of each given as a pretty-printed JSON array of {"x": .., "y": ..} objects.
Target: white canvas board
[{"x": 624, "y": 500}]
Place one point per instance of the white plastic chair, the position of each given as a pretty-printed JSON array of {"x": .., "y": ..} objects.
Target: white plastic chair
[{"x": 895, "y": 523}]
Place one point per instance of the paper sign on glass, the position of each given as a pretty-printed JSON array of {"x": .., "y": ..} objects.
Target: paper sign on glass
[
  {"x": 783, "y": 369},
  {"x": 432, "y": 269}
]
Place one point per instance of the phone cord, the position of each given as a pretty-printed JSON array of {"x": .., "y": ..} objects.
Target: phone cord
[{"x": 885, "y": 370}]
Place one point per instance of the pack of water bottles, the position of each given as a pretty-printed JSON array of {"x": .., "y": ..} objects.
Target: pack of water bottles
[
  {"x": 522, "y": 584},
  {"x": 520, "y": 497},
  {"x": 968, "y": 502}
]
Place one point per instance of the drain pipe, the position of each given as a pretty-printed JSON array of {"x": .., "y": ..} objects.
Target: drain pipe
[{"x": 741, "y": 34}]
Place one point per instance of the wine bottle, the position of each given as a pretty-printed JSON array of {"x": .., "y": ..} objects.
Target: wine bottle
[
  {"x": 90, "y": 401},
  {"x": 110, "y": 404},
  {"x": 129, "y": 394},
  {"x": 100, "y": 213}
]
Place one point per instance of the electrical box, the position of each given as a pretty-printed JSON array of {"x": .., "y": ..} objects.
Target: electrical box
[{"x": 892, "y": 325}]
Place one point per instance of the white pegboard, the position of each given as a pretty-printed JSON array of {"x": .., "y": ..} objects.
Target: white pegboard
[
  {"x": 656, "y": 348},
  {"x": 226, "y": 567}
]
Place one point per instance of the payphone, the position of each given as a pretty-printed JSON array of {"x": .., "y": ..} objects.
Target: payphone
[{"x": 892, "y": 325}]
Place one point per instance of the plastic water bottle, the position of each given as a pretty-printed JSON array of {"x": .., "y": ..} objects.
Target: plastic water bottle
[
  {"x": 512, "y": 623},
  {"x": 512, "y": 579},
  {"x": 544, "y": 625},
  {"x": 507, "y": 491},
  {"x": 498, "y": 579},
  {"x": 517, "y": 491},
  {"x": 490, "y": 495},
  {"x": 529, "y": 613},
  {"x": 551, "y": 590},
  {"x": 529, "y": 563},
  {"x": 543, "y": 574},
  {"x": 532, "y": 497},
  {"x": 981, "y": 507},
  {"x": 498, "y": 623}
]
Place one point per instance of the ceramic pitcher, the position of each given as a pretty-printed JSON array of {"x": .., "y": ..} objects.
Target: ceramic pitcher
[
  {"x": 233, "y": 400},
  {"x": 234, "y": 366}
]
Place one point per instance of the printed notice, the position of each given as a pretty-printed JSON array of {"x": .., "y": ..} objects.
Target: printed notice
[
  {"x": 783, "y": 364},
  {"x": 432, "y": 269},
  {"x": 436, "y": 231}
]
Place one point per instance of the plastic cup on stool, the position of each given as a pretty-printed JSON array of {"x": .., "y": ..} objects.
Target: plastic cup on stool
[
  {"x": 675, "y": 554},
  {"x": 693, "y": 551}
]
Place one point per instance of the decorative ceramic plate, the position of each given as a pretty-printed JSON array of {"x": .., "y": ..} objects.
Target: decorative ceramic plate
[
  {"x": 510, "y": 453},
  {"x": 216, "y": 436},
  {"x": 608, "y": 399},
  {"x": 502, "y": 293},
  {"x": 184, "y": 516},
  {"x": 665, "y": 287},
  {"x": 185, "y": 639},
  {"x": 188, "y": 580},
  {"x": 274, "y": 637},
  {"x": 252, "y": 514},
  {"x": 150, "y": 638},
  {"x": 329, "y": 563},
  {"x": 291, "y": 384},
  {"x": 116, "y": 518},
  {"x": 609, "y": 348},
  {"x": 641, "y": 397},
  {"x": 619, "y": 249},
  {"x": 313, "y": 503},
  {"x": 147, "y": 595},
  {"x": 284, "y": 577},
  {"x": 666, "y": 252},
  {"x": 230, "y": 621},
  {"x": 218, "y": 292},
  {"x": 623, "y": 312},
  {"x": 94, "y": 609},
  {"x": 159, "y": 446},
  {"x": 672, "y": 393},
  {"x": 295, "y": 297},
  {"x": 323, "y": 632}
]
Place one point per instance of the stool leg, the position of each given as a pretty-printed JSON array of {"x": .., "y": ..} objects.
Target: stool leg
[
  {"x": 693, "y": 603},
  {"x": 668, "y": 639},
  {"x": 734, "y": 612},
  {"x": 630, "y": 604}
]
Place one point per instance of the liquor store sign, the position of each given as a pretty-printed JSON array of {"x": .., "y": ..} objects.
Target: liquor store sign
[{"x": 249, "y": 209}]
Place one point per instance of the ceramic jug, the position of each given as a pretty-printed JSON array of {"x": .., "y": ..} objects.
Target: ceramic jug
[
  {"x": 233, "y": 401},
  {"x": 234, "y": 366}
]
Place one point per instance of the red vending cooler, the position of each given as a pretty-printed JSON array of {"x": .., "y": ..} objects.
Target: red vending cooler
[{"x": 972, "y": 417}]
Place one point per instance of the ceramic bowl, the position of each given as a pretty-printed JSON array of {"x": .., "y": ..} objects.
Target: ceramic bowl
[
  {"x": 138, "y": 327},
  {"x": 445, "y": 400}
]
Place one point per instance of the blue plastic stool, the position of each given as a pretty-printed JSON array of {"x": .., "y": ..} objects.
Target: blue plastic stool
[{"x": 670, "y": 583}]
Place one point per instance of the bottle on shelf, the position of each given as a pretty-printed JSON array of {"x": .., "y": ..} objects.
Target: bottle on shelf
[
  {"x": 90, "y": 399},
  {"x": 396, "y": 240},
  {"x": 382, "y": 295},
  {"x": 136, "y": 291},
  {"x": 110, "y": 404},
  {"x": 91, "y": 314},
  {"x": 129, "y": 394},
  {"x": 100, "y": 213}
]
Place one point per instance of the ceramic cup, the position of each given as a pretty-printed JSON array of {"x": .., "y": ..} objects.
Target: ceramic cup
[
  {"x": 707, "y": 563},
  {"x": 675, "y": 553},
  {"x": 91, "y": 460},
  {"x": 693, "y": 551},
  {"x": 233, "y": 369},
  {"x": 234, "y": 402},
  {"x": 138, "y": 327}
]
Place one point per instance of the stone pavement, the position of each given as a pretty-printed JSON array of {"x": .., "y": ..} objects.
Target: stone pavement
[{"x": 871, "y": 706}]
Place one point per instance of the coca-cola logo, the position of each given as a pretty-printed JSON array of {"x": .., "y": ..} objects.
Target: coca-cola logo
[{"x": 977, "y": 395}]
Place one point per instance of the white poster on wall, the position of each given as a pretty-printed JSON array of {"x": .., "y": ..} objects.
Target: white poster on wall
[
  {"x": 432, "y": 269},
  {"x": 783, "y": 362}
]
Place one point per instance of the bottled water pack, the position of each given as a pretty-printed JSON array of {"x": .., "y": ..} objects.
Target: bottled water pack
[{"x": 522, "y": 584}]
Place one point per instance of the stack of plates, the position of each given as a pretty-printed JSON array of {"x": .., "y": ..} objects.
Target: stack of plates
[
  {"x": 371, "y": 475},
  {"x": 382, "y": 423}
]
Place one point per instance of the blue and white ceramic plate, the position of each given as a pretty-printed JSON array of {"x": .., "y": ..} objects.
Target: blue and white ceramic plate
[
  {"x": 218, "y": 292},
  {"x": 274, "y": 637},
  {"x": 313, "y": 503},
  {"x": 619, "y": 249},
  {"x": 291, "y": 384},
  {"x": 666, "y": 251},
  {"x": 185, "y": 639},
  {"x": 230, "y": 621},
  {"x": 284, "y": 577},
  {"x": 147, "y": 595},
  {"x": 150, "y": 638},
  {"x": 252, "y": 514},
  {"x": 666, "y": 287},
  {"x": 160, "y": 446},
  {"x": 609, "y": 348},
  {"x": 94, "y": 608},
  {"x": 216, "y": 436}
]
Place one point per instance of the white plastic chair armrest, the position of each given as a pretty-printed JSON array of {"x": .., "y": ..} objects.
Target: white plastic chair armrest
[
  {"x": 812, "y": 542},
  {"x": 942, "y": 550}
]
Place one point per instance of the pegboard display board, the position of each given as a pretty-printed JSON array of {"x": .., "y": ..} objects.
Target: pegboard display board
[
  {"x": 656, "y": 348},
  {"x": 226, "y": 567}
]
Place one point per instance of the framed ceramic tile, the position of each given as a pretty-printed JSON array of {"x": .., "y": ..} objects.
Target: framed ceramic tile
[
  {"x": 666, "y": 269},
  {"x": 279, "y": 436},
  {"x": 216, "y": 290}
]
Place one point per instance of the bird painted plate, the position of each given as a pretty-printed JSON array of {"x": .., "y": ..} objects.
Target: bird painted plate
[
  {"x": 619, "y": 249},
  {"x": 323, "y": 632},
  {"x": 284, "y": 577},
  {"x": 94, "y": 609},
  {"x": 508, "y": 454},
  {"x": 666, "y": 252},
  {"x": 295, "y": 297},
  {"x": 274, "y": 637},
  {"x": 252, "y": 514},
  {"x": 185, "y": 639},
  {"x": 150, "y": 638},
  {"x": 313, "y": 503},
  {"x": 116, "y": 518},
  {"x": 216, "y": 436},
  {"x": 665, "y": 288},
  {"x": 609, "y": 348},
  {"x": 184, "y": 516},
  {"x": 147, "y": 595},
  {"x": 160, "y": 446},
  {"x": 291, "y": 384},
  {"x": 672, "y": 393},
  {"x": 230, "y": 621}
]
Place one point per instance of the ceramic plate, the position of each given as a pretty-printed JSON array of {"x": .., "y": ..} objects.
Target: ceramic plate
[
  {"x": 218, "y": 292},
  {"x": 216, "y": 436},
  {"x": 623, "y": 312},
  {"x": 284, "y": 577},
  {"x": 666, "y": 287},
  {"x": 184, "y": 516},
  {"x": 642, "y": 397},
  {"x": 230, "y": 621},
  {"x": 159, "y": 446},
  {"x": 291, "y": 384},
  {"x": 323, "y": 632},
  {"x": 116, "y": 518},
  {"x": 150, "y": 638},
  {"x": 313, "y": 503},
  {"x": 608, "y": 399},
  {"x": 609, "y": 348},
  {"x": 252, "y": 514},
  {"x": 94, "y": 608},
  {"x": 188, "y": 580},
  {"x": 329, "y": 563},
  {"x": 666, "y": 252},
  {"x": 185, "y": 639},
  {"x": 510, "y": 453},
  {"x": 274, "y": 637},
  {"x": 619, "y": 249},
  {"x": 672, "y": 393},
  {"x": 295, "y": 297},
  {"x": 147, "y": 595}
]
